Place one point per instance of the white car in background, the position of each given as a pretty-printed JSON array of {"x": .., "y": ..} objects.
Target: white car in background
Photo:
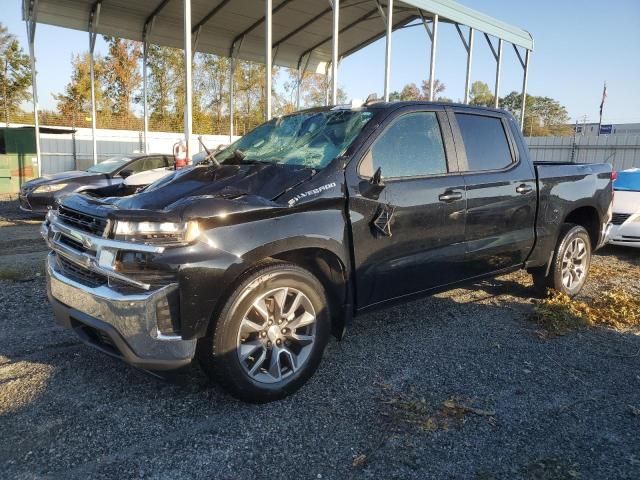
[
  {"x": 626, "y": 209},
  {"x": 138, "y": 180},
  {"x": 142, "y": 179}
]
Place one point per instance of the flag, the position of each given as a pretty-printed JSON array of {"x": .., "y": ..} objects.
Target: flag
[{"x": 604, "y": 95}]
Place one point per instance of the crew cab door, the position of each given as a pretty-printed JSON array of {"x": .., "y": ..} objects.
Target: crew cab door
[
  {"x": 407, "y": 234},
  {"x": 501, "y": 191}
]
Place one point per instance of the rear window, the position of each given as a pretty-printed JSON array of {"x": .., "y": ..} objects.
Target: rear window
[{"x": 485, "y": 142}]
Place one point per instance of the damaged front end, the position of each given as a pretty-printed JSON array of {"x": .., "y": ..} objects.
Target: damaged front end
[{"x": 114, "y": 293}]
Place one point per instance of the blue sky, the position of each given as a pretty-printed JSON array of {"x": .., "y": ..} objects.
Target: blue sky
[{"x": 578, "y": 46}]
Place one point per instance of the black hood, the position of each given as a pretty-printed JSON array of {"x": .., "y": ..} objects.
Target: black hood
[
  {"x": 228, "y": 181},
  {"x": 192, "y": 191}
]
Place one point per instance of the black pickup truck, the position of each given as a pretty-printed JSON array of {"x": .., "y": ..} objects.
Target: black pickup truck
[{"x": 250, "y": 262}]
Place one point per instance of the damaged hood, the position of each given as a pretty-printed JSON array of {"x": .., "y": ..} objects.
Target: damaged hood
[{"x": 200, "y": 191}]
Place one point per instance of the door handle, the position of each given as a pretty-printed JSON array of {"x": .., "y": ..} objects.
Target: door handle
[
  {"x": 524, "y": 188},
  {"x": 450, "y": 196}
]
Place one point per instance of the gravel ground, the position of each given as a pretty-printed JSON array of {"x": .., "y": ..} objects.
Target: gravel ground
[{"x": 454, "y": 386}]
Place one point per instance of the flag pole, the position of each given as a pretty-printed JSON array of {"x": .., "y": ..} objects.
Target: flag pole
[{"x": 604, "y": 95}]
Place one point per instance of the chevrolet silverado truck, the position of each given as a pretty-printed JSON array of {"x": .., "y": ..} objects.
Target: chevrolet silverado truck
[{"x": 249, "y": 263}]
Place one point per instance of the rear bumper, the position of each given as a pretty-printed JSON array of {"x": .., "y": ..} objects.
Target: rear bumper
[{"x": 121, "y": 325}]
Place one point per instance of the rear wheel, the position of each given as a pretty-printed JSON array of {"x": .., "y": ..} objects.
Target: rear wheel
[
  {"x": 570, "y": 263},
  {"x": 270, "y": 335}
]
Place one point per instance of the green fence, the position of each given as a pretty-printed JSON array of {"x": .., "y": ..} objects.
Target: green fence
[{"x": 18, "y": 159}]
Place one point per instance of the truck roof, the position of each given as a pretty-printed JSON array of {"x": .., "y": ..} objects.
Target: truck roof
[{"x": 377, "y": 105}]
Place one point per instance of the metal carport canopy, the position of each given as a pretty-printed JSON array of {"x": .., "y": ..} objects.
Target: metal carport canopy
[
  {"x": 306, "y": 35},
  {"x": 300, "y": 27}
]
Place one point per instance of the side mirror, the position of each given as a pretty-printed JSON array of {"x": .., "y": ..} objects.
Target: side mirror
[
  {"x": 371, "y": 188},
  {"x": 126, "y": 173}
]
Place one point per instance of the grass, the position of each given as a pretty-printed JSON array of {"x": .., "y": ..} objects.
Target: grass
[
  {"x": 558, "y": 314},
  {"x": 19, "y": 275},
  {"x": 12, "y": 275}
]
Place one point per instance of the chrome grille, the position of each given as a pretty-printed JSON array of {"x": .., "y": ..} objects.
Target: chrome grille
[
  {"x": 82, "y": 221},
  {"x": 80, "y": 274}
]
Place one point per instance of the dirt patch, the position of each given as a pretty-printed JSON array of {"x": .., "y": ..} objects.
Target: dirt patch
[{"x": 453, "y": 412}]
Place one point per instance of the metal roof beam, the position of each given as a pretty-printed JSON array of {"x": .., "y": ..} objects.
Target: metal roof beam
[
  {"x": 363, "y": 18},
  {"x": 314, "y": 20},
  {"x": 451, "y": 11},
  {"x": 155, "y": 12},
  {"x": 258, "y": 22},
  {"x": 302, "y": 27},
  {"x": 377, "y": 37},
  {"x": 209, "y": 16}
]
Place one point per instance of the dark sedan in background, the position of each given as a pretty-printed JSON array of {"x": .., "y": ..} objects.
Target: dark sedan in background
[{"x": 40, "y": 194}]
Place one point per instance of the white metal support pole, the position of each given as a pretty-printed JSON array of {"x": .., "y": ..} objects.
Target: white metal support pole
[
  {"x": 524, "y": 88},
  {"x": 94, "y": 17},
  {"x": 188, "y": 119},
  {"x": 145, "y": 107},
  {"x": 232, "y": 63},
  {"x": 268, "y": 58},
  {"x": 334, "y": 49},
  {"x": 432, "y": 66},
  {"x": 31, "y": 34},
  {"x": 235, "y": 50},
  {"x": 302, "y": 70},
  {"x": 498, "y": 71},
  {"x": 467, "y": 82},
  {"x": 525, "y": 67},
  {"x": 298, "y": 83},
  {"x": 327, "y": 73},
  {"x": 387, "y": 56}
]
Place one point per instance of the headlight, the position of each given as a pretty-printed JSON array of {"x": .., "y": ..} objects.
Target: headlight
[
  {"x": 50, "y": 188},
  {"x": 157, "y": 232}
]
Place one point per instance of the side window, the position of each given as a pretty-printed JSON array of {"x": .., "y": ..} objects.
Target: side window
[
  {"x": 412, "y": 146},
  {"x": 135, "y": 167},
  {"x": 485, "y": 142},
  {"x": 145, "y": 164},
  {"x": 154, "y": 162}
]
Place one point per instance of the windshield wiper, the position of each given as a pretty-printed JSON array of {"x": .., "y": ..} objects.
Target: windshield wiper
[{"x": 211, "y": 156}]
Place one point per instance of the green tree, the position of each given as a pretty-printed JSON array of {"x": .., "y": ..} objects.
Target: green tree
[
  {"x": 438, "y": 87},
  {"x": 122, "y": 74},
  {"x": 75, "y": 101},
  {"x": 410, "y": 92},
  {"x": 481, "y": 95},
  {"x": 162, "y": 63},
  {"x": 15, "y": 74},
  {"x": 212, "y": 81},
  {"x": 543, "y": 116}
]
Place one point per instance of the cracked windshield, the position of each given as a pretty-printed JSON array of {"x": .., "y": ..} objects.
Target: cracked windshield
[{"x": 310, "y": 139}]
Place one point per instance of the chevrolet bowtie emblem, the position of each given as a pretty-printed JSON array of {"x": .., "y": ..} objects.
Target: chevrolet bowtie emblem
[{"x": 382, "y": 220}]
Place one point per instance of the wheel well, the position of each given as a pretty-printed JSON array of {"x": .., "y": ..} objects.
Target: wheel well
[
  {"x": 588, "y": 218},
  {"x": 330, "y": 270}
]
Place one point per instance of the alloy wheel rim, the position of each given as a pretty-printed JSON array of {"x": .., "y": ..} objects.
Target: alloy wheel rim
[
  {"x": 276, "y": 335},
  {"x": 574, "y": 263}
]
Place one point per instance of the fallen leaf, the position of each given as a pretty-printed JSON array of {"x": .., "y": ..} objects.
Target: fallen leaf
[{"x": 359, "y": 460}]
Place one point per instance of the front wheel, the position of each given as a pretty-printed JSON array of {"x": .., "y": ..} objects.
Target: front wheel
[
  {"x": 270, "y": 335},
  {"x": 570, "y": 263}
]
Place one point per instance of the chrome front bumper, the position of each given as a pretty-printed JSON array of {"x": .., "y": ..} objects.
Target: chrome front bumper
[
  {"x": 122, "y": 322},
  {"x": 122, "y": 325}
]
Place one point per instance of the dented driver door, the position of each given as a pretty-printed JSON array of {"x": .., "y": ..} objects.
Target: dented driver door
[{"x": 408, "y": 227}]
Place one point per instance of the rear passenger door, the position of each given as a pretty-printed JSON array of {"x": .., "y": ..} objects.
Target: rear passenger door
[
  {"x": 500, "y": 188},
  {"x": 408, "y": 237}
]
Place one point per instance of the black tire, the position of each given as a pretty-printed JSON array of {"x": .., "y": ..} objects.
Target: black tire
[
  {"x": 219, "y": 353},
  {"x": 569, "y": 232}
]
